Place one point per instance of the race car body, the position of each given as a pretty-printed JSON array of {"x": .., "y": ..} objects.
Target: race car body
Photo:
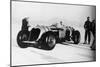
[{"x": 46, "y": 36}]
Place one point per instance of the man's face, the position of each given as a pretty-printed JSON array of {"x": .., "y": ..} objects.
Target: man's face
[{"x": 88, "y": 18}]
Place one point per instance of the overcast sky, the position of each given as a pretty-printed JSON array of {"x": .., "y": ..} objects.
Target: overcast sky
[{"x": 46, "y": 14}]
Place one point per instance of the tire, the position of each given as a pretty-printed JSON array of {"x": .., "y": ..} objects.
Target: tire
[
  {"x": 76, "y": 37},
  {"x": 22, "y": 36},
  {"x": 49, "y": 41},
  {"x": 68, "y": 35}
]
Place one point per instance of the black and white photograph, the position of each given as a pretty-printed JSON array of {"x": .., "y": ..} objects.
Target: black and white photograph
[{"x": 52, "y": 33}]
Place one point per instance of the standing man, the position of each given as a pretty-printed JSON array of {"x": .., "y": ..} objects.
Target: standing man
[{"x": 87, "y": 30}]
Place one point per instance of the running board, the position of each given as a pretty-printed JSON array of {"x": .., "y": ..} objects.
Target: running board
[{"x": 31, "y": 42}]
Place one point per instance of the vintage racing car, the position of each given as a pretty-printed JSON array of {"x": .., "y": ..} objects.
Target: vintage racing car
[{"x": 46, "y": 36}]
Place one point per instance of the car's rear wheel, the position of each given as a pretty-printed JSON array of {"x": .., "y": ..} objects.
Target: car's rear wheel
[
  {"x": 22, "y": 36},
  {"x": 76, "y": 37}
]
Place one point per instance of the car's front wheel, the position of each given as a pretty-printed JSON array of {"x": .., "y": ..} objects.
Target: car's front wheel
[
  {"x": 49, "y": 41},
  {"x": 22, "y": 36}
]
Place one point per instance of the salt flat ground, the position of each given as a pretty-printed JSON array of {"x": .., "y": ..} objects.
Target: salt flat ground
[
  {"x": 65, "y": 52},
  {"x": 61, "y": 53}
]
